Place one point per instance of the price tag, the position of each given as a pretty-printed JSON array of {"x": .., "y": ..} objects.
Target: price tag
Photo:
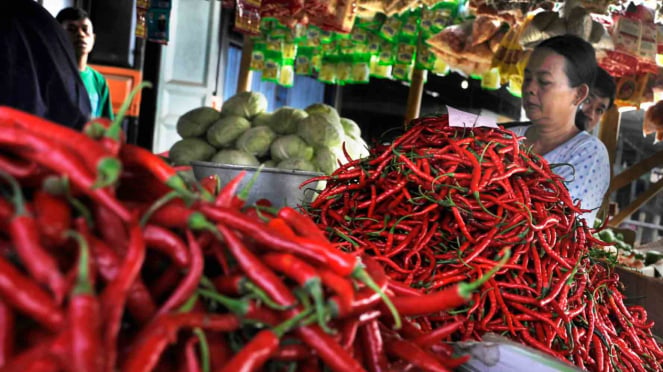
[{"x": 462, "y": 119}]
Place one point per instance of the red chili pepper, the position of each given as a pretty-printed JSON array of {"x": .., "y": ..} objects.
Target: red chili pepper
[
  {"x": 84, "y": 319},
  {"x": 7, "y": 327},
  {"x": 188, "y": 286},
  {"x": 111, "y": 228},
  {"x": 438, "y": 334},
  {"x": 190, "y": 363},
  {"x": 292, "y": 353},
  {"x": 446, "y": 299},
  {"x": 227, "y": 195},
  {"x": 53, "y": 217},
  {"x": 373, "y": 347},
  {"x": 320, "y": 252},
  {"x": 106, "y": 166},
  {"x": 412, "y": 353},
  {"x": 58, "y": 158},
  {"x": 135, "y": 156},
  {"x": 211, "y": 184},
  {"x": 256, "y": 270},
  {"x": 139, "y": 302},
  {"x": 167, "y": 242},
  {"x": 329, "y": 350},
  {"x": 155, "y": 337},
  {"x": 24, "y": 233},
  {"x": 254, "y": 354},
  {"x": 301, "y": 224},
  {"x": 115, "y": 294},
  {"x": 24, "y": 294}
]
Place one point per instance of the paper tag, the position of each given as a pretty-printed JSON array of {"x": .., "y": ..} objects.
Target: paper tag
[{"x": 462, "y": 119}]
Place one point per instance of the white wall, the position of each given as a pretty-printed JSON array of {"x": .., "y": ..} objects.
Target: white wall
[{"x": 54, "y": 6}]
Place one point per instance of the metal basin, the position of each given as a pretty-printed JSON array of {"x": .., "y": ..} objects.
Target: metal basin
[{"x": 279, "y": 186}]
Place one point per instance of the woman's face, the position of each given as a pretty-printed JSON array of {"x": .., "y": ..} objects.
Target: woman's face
[{"x": 547, "y": 94}]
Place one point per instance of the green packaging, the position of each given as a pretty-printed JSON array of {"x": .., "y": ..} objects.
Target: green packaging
[
  {"x": 390, "y": 28},
  {"x": 327, "y": 73},
  {"x": 272, "y": 68},
  {"x": 257, "y": 56},
  {"x": 304, "y": 61}
]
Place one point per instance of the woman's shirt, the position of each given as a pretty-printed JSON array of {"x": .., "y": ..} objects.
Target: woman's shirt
[{"x": 584, "y": 164}]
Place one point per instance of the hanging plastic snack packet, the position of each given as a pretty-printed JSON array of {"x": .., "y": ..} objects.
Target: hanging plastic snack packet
[
  {"x": 390, "y": 28},
  {"x": 379, "y": 70},
  {"x": 361, "y": 70},
  {"x": 258, "y": 55},
  {"x": 402, "y": 71},
  {"x": 272, "y": 69},
  {"x": 344, "y": 70},
  {"x": 304, "y": 61},
  {"x": 247, "y": 17},
  {"x": 287, "y": 73},
  {"x": 327, "y": 73}
]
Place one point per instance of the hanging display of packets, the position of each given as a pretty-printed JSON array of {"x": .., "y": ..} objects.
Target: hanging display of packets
[{"x": 379, "y": 47}]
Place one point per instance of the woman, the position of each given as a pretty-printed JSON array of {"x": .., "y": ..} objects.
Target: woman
[{"x": 557, "y": 80}]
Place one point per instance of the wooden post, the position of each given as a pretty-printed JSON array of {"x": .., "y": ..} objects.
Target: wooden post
[
  {"x": 609, "y": 131},
  {"x": 245, "y": 74},
  {"x": 415, "y": 94}
]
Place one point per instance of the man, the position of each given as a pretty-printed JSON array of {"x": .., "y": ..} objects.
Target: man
[
  {"x": 79, "y": 28},
  {"x": 37, "y": 68},
  {"x": 601, "y": 98}
]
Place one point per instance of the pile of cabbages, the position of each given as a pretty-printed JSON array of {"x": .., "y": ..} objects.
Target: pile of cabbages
[{"x": 244, "y": 133}]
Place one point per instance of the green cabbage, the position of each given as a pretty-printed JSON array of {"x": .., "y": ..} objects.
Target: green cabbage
[
  {"x": 321, "y": 108},
  {"x": 297, "y": 164},
  {"x": 270, "y": 164},
  {"x": 194, "y": 123},
  {"x": 321, "y": 129},
  {"x": 290, "y": 146},
  {"x": 245, "y": 104},
  {"x": 284, "y": 120},
  {"x": 351, "y": 128},
  {"x": 235, "y": 157},
  {"x": 256, "y": 140},
  {"x": 261, "y": 120},
  {"x": 186, "y": 150},
  {"x": 226, "y": 130},
  {"x": 325, "y": 159}
]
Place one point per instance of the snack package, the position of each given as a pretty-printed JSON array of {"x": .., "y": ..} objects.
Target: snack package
[{"x": 258, "y": 56}]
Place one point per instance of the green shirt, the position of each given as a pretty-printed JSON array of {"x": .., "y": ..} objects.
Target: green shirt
[{"x": 97, "y": 89}]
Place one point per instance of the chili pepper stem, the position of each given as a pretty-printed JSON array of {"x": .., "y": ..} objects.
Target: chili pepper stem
[
  {"x": 17, "y": 194},
  {"x": 108, "y": 172},
  {"x": 465, "y": 289},
  {"x": 83, "y": 285},
  {"x": 239, "y": 307},
  {"x": 262, "y": 296},
  {"x": 159, "y": 203},
  {"x": 360, "y": 274},
  {"x": 204, "y": 349},
  {"x": 188, "y": 304},
  {"x": 314, "y": 287},
  {"x": 113, "y": 131}
]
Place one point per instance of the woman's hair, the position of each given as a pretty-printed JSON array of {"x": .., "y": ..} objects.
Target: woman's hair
[
  {"x": 580, "y": 67},
  {"x": 604, "y": 86}
]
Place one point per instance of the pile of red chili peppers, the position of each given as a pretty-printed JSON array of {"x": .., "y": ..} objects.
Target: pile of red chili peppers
[
  {"x": 109, "y": 261},
  {"x": 440, "y": 204}
]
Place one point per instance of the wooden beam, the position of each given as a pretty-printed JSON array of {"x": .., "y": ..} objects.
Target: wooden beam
[
  {"x": 415, "y": 94},
  {"x": 245, "y": 73},
  {"x": 635, "y": 171},
  {"x": 636, "y": 204},
  {"x": 609, "y": 131}
]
